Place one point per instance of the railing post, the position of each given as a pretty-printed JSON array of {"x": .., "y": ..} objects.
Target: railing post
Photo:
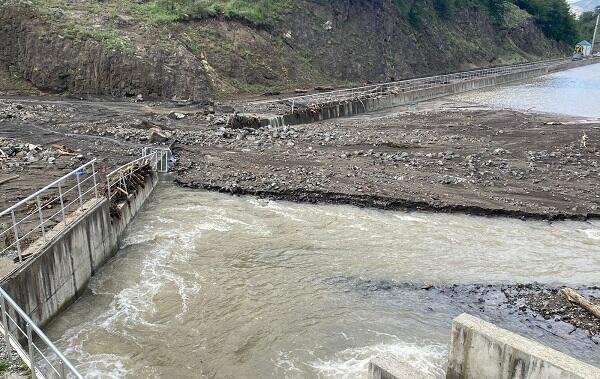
[
  {"x": 108, "y": 187},
  {"x": 62, "y": 202},
  {"x": 62, "y": 369},
  {"x": 7, "y": 346},
  {"x": 95, "y": 183},
  {"x": 12, "y": 214},
  {"x": 39, "y": 204},
  {"x": 31, "y": 351},
  {"x": 79, "y": 189}
]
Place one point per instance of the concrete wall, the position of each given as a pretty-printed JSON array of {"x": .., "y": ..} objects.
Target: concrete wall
[
  {"x": 389, "y": 367},
  {"x": 57, "y": 275},
  {"x": 482, "y": 350},
  {"x": 355, "y": 107}
]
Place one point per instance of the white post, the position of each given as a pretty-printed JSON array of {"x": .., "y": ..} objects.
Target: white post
[{"x": 595, "y": 32}]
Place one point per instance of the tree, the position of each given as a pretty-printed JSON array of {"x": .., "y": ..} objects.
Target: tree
[{"x": 554, "y": 17}]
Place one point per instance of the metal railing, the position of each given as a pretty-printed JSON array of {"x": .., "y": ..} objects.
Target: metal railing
[
  {"x": 162, "y": 159},
  {"x": 31, "y": 344},
  {"x": 395, "y": 87},
  {"x": 33, "y": 217},
  {"x": 117, "y": 180}
]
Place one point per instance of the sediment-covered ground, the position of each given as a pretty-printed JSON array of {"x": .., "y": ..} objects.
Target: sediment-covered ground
[{"x": 440, "y": 156}]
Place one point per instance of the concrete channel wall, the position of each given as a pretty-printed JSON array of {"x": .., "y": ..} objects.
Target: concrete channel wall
[
  {"x": 58, "y": 274},
  {"x": 482, "y": 350},
  {"x": 336, "y": 109}
]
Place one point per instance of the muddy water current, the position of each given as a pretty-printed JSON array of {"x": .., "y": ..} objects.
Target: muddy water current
[
  {"x": 573, "y": 92},
  {"x": 209, "y": 285}
]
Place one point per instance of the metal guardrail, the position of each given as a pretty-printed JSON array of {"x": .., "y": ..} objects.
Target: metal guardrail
[
  {"x": 46, "y": 208},
  {"x": 19, "y": 331},
  {"x": 117, "y": 179},
  {"x": 37, "y": 351},
  {"x": 382, "y": 89}
]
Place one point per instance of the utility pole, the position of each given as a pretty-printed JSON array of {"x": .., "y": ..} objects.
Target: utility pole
[{"x": 595, "y": 32}]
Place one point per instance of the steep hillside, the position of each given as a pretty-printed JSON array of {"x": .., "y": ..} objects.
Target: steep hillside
[{"x": 162, "y": 49}]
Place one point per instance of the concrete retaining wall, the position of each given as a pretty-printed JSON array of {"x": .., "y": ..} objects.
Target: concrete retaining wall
[
  {"x": 355, "y": 107},
  {"x": 482, "y": 350},
  {"x": 57, "y": 275}
]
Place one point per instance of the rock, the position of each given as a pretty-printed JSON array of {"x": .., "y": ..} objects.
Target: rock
[
  {"x": 139, "y": 98},
  {"x": 158, "y": 135},
  {"x": 176, "y": 115}
]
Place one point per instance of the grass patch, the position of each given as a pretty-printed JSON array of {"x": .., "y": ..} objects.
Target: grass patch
[
  {"x": 257, "y": 12},
  {"x": 25, "y": 370},
  {"x": 109, "y": 38},
  {"x": 515, "y": 16}
]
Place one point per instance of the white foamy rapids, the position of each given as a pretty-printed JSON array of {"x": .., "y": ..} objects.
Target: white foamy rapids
[
  {"x": 131, "y": 306},
  {"x": 591, "y": 233},
  {"x": 353, "y": 363},
  {"x": 93, "y": 365}
]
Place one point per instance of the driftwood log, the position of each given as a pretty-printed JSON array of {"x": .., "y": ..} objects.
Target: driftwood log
[{"x": 575, "y": 298}]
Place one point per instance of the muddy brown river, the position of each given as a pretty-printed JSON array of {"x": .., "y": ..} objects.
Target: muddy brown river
[{"x": 209, "y": 285}]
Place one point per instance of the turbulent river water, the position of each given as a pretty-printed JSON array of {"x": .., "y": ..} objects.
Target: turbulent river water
[
  {"x": 209, "y": 285},
  {"x": 212, "y": 285},
  {"x": 573, "y": 92}
]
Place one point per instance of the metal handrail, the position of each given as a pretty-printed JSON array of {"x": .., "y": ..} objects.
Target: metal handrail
[
  {"x": 35, "y": 219},
  {"x": 54, "y": 183},
  {"x": 31, "y": 331},
  {"x": 421, "y": 82},
  {"x": 118, "y": 177}
]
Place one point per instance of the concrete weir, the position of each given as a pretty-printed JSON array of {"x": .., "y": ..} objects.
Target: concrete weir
[
  {"x": 59, "y": 272},
  {"x": 482, "y": 350}
]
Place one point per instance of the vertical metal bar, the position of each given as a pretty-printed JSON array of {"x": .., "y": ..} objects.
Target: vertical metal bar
[
  {"x": 7, "y": 346},
  {"x": 12, "y": 214},
  {"x": 79, "y": 189},
  {"x": 31, "y": 352},
  {"x": 62, "y": 202},
  {"x": 95, "y": 183},
  {"x": 39, "y": 205},
  {"x": 108, "y": 187}
]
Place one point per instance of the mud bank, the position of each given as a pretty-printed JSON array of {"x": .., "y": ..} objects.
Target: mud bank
[{"x": 470, "y": 160}]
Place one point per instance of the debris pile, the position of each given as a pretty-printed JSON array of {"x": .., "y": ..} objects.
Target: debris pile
[{"x": 15, "y": 154}]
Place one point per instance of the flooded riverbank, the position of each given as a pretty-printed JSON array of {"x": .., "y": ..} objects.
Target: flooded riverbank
[{"x": 219, "y": 286}]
